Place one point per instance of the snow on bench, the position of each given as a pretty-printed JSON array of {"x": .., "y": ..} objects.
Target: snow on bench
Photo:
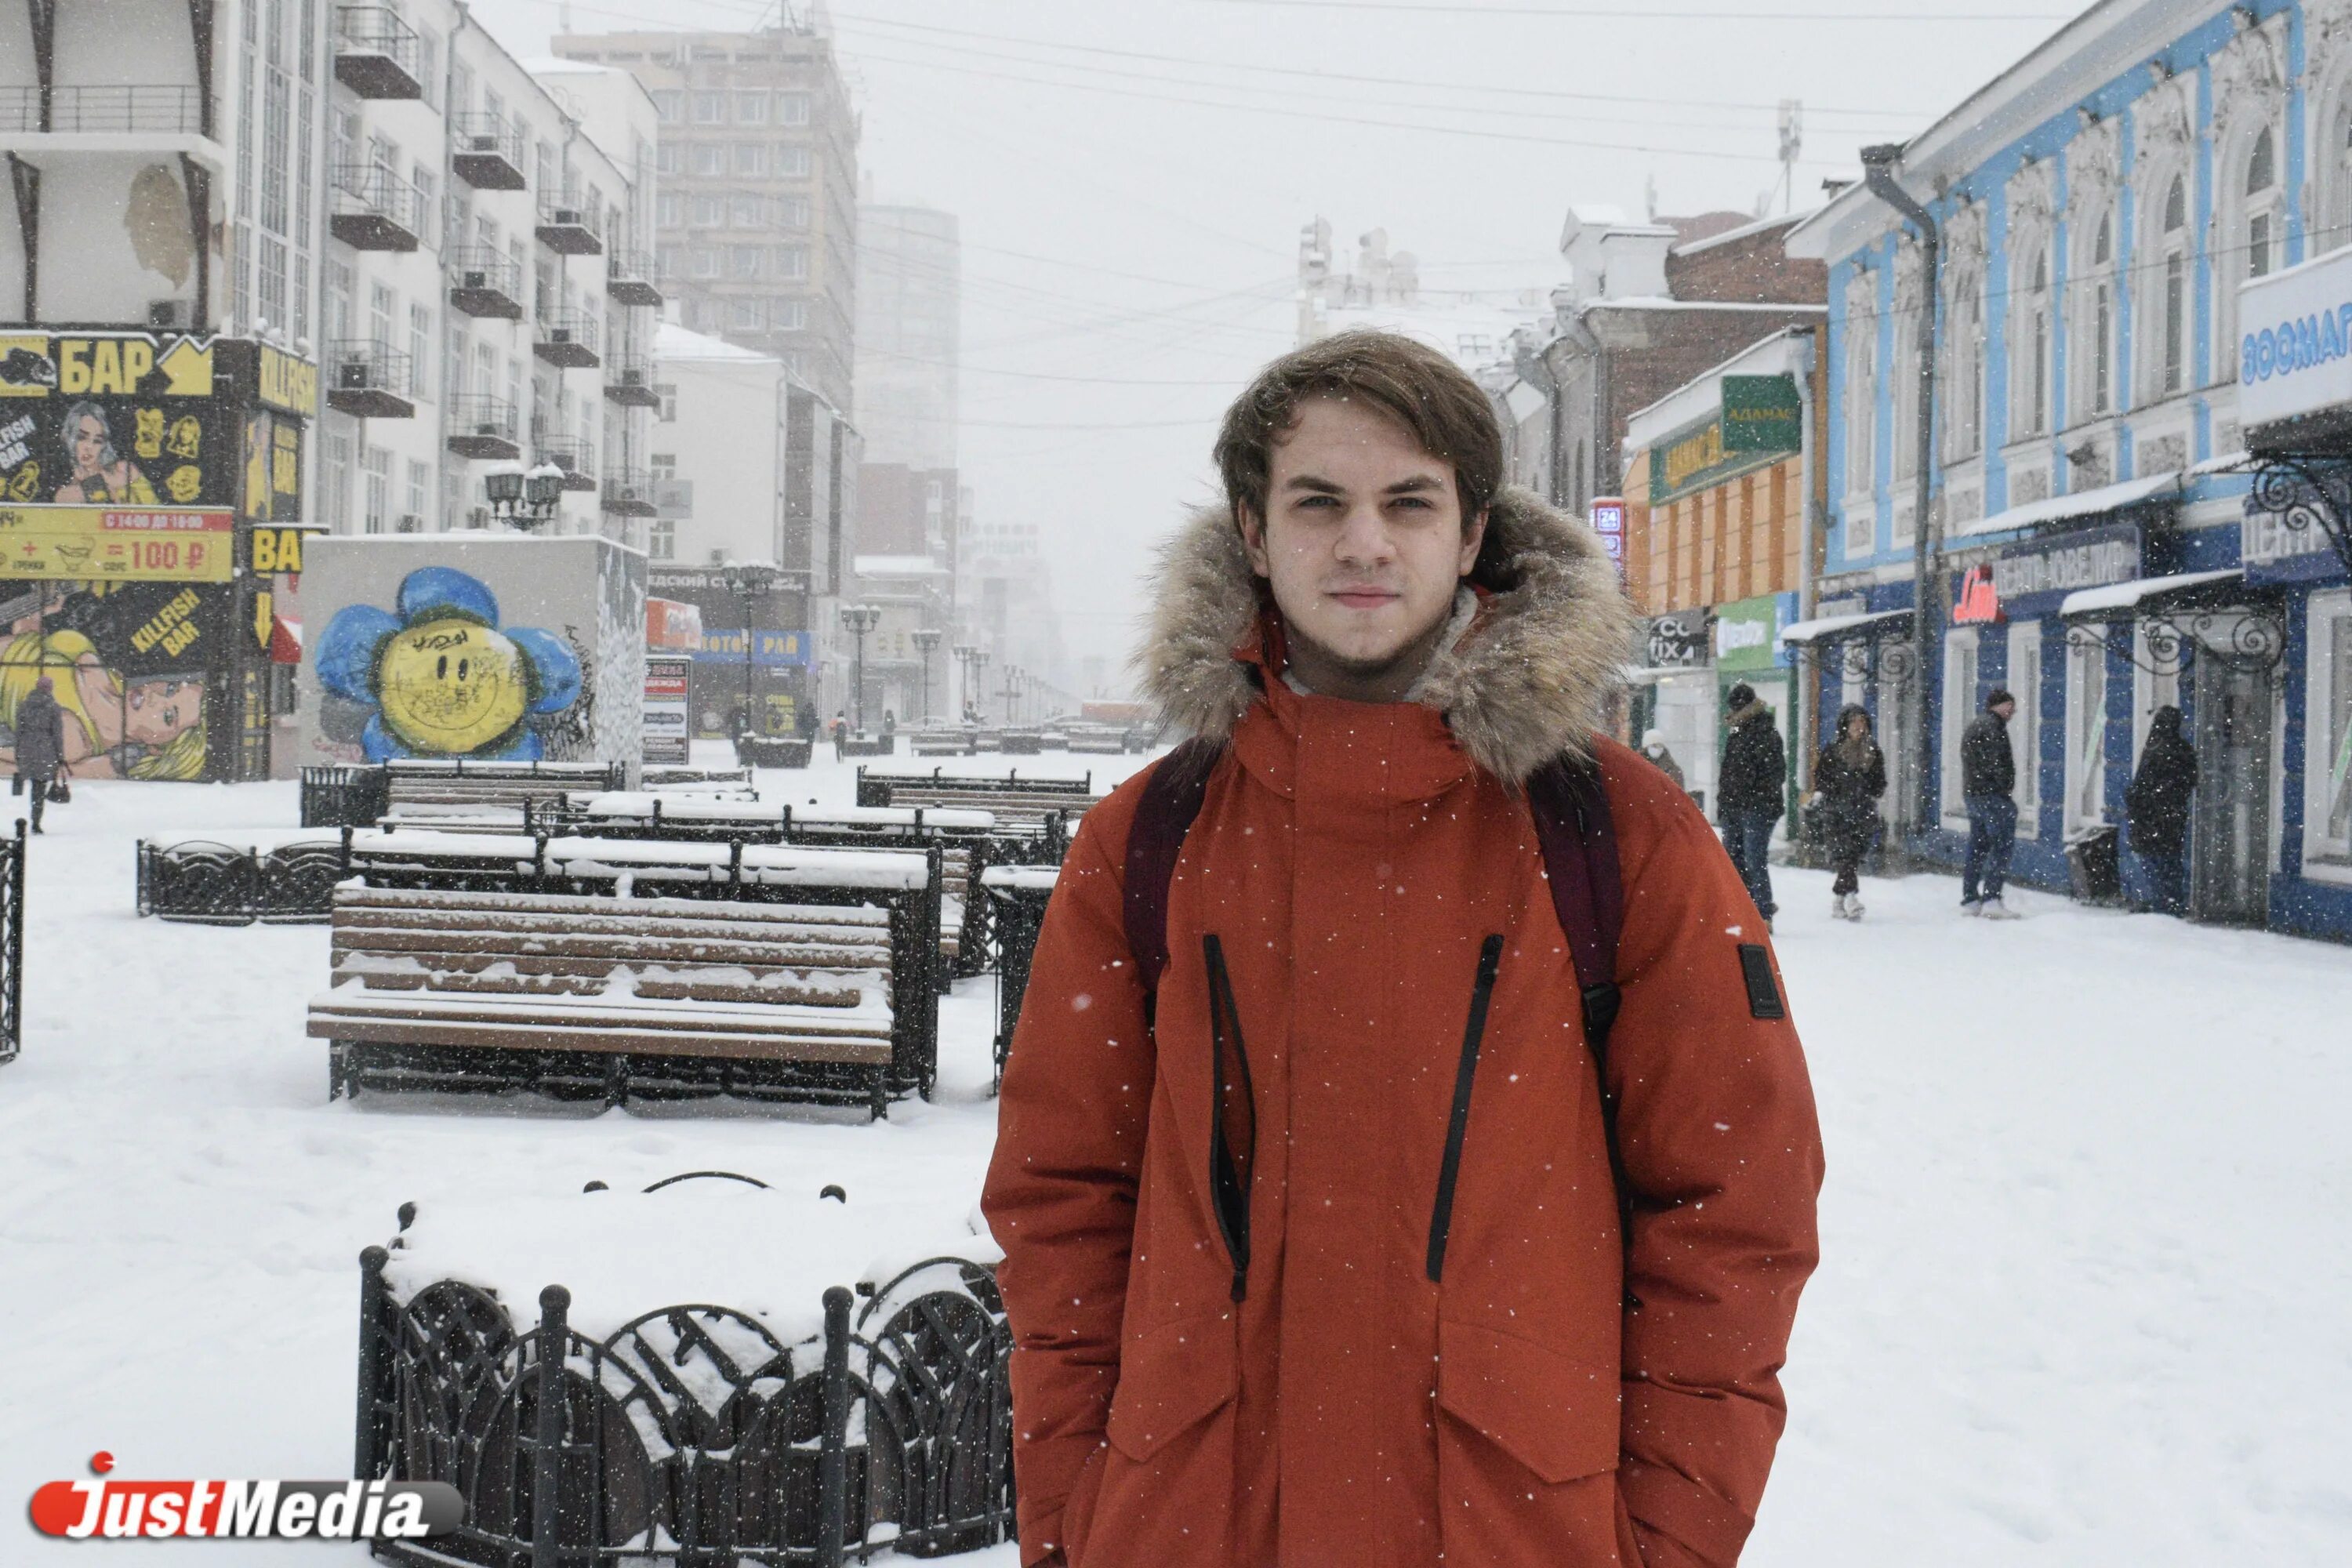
[{"x": 516, "y": 972}]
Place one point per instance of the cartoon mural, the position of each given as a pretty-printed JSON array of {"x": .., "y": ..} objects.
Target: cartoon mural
[
  {"x": 440, "y": 676},
  {"x": 127, "y": 663}
]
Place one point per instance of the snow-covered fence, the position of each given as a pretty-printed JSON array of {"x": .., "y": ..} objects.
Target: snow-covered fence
[
  {"x": 1034, "y": 818},
  {"x": 215, "y": 877},
  {"x": 356, "y": 796},
  {"x": 694, "y": 1433},
  {"x": 12, "y": 941},
  {"x": 1019, "y": 895}
]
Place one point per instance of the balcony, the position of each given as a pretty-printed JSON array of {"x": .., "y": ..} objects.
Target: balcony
[
  {"x": 568, "y": 228},
  {"x": 486, "y": 282},
  {"x": 369, "y": 379},
  {"x": 630, "y": 278},
  {"x": 567, "y": 340},
  {"x": 629, "y": 493},
  {"x": 487, "y": 153},
  {"x": 158, "y": 110},
  {"x": 576, "y": 458},
  {"x": 629, "y": 381},
  {"x": 376, "y": 53},
  {"x": 483, "y": 427},
  {"x": 375, "y": 209}
]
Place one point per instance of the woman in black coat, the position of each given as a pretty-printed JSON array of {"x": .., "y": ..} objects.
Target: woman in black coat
[
  {"x": 2156, "y": 808},
  {"x": 1849, "y": 776}
]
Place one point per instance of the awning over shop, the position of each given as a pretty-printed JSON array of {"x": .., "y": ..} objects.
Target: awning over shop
[
  {"x": 2123, "y": 598},
  {"x": 1802, "y": 632},
  {"x": 2081, "y": 504},
  {"x": 284, "y": 640}
]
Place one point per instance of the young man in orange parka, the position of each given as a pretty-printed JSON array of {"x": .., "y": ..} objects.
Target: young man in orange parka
[{"x": 1314, "y": 1251}]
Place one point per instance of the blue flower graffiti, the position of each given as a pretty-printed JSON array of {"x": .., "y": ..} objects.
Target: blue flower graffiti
[{"x": 441, "y": 678}]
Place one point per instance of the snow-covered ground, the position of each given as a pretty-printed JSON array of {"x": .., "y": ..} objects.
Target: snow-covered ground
[{"x": 2088, "y": 1227}]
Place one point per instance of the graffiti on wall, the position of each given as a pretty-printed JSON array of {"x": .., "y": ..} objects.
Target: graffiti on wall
[
  {"x": 438, "y": 675},
  {"x": 127, "y": 663}
]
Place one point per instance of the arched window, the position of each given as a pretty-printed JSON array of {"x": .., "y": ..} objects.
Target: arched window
[
  {"x": 1963, "y": 396},
  {"x": 2102, "y": 298},
  {"x": 2030, "y": 344},
  {"x": 1861, "y": 399},
  {"x": 2173, "y": 247},
  {"x": 2262, "y": 219}
]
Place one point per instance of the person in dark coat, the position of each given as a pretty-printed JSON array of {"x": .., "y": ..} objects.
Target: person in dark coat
[
  {"x": 40, "y": 743},
  {"x": 1654, "y": 746},
  {"x": 1989, "y": 787},
  {"x": 1751, "y": 792},
  {"x": 2156, "y": 808},
  {"x": 1849, "y": 776}
]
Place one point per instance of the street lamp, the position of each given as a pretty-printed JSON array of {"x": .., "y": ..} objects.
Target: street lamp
[
  {"x": 979, "y": 682},
  {"x": 857, "y": 620},
  {"x": 1012, "y": 693},
  {"x": 926, "y": 639},
  {"x": 524, "y": 501},
  {"x": 745, "y": 578}
]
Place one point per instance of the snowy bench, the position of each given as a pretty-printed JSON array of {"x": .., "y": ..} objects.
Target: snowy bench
[
  {"x": 1014, "y": 802},
  {"x": 940, "y": 743},
  {"x": 633, "y": 984},
  {"x": 773, "y": 751},
  {"x": 350, "y": 797},
  {"x": 903, "y": 883}
]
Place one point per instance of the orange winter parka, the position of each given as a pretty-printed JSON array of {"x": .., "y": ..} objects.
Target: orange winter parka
[{"x": 1297, "y": 1390}]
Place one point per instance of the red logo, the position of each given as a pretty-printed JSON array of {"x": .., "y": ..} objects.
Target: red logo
[
  {"x": 245, "y": 1510},
  {"x": 1979, "y": 601}
]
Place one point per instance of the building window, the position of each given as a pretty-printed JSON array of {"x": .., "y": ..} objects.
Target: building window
[
  {"x": 375, "y": 498},
  {"x": 1960, "y": 656},
  {"x": 2102, "y": 348},
  {"x": 743, "y": 315},
  {"x": 788, "y": 315},
  {"x": 747, "y": 213},
  {"x": 2173, "y": 246},
  {"x": 742, "y": 261},
  {"x": 338, "y": 481},
  {"x": 2024, "y": 680},
  {"x": 1860, "y": 427},
  {"x": 750, "y": 158},
  {"x": 2327, "y": 775},
  {"x": 2086, "y": 733},
  {"x": 668, "y": 159},
  {"x": 706, "y": 261},
  {"x": 709, "y": 212},
  {"x": 791, "y": 162},
  {"x": 669, "y": 211},
  {"x": 750, "y": 109},
  {"x": 791, "y": 261},
  {"x": 2259, "y": 236},
  {"x": 661, "y": 539},
  {"x": 710, "y": 159},
  {"x": 795, "y": 212},
  {"x": 710, "y": 108},
  {"x": 667, "y": 413},
  {"x": 420, "y": 352},
  {"x": 2031, "y": 415},
  {"x": 791, "y": 108},
  {"x": 1964, "y": 397},
  {"x": 669, "y": 105},
  {"x": 420, "y": 482}
]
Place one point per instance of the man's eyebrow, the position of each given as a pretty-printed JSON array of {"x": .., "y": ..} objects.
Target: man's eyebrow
[
  {"x": 1315, "y": 482},
  {"x": 1418, "y": 483}
]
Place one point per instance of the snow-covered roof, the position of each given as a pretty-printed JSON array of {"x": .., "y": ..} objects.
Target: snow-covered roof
[
  {"x": 2082, "y": 503},
  {"x": 1837, "y": 626},
  {"x": 1745, "y": 231},
  {"x": 673, "y": 341},
  {"x": 1774, "y": 355},
  {"x": 2128, "y": 595}
]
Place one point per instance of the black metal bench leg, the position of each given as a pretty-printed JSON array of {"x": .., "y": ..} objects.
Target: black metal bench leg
[
  {"x": 877, "y": 1089},
  {"x": 335, "y": 1071}
]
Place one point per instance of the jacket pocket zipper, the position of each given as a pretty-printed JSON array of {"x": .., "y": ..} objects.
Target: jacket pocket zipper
[
  {"x": 1230, "y": 1172},
  {"x": 1490, "y": 959}
]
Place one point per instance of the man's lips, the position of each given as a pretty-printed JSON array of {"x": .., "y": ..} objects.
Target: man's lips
[{"x": 1364, "y": 598}]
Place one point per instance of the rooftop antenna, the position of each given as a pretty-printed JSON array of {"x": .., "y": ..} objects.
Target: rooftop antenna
[{"x": 1792, "y": 141}]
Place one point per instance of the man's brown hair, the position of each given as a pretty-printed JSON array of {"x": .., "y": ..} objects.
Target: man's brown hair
[{"x": 1414, "y": 385}]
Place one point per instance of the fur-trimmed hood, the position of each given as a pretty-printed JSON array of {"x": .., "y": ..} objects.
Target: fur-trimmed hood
[{"x": 1524, "y": 684}]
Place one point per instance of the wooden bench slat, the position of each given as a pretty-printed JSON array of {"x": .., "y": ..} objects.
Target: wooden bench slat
[
  {"x": 581, "y": 954},
  {"x": 357, "y": 896},
  {"x": 428, "y": 1010}
]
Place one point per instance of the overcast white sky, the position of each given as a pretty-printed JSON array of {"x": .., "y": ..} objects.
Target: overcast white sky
[{"x": 1132, "y": 174}]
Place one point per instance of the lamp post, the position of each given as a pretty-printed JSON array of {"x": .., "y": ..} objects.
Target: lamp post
[
  {"x": 979, "y": 679},
  {"x": 859, "y": 619},
  {"x": 743, "y": 579},
  {"x": 926, "y": 639},
  {"x": 1012, "y": 694},
  {"x": 524, "y": 501},
  {"x": 964, "y": 652}
]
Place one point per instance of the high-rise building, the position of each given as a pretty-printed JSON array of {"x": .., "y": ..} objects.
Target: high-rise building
[
  {"x": 756, "y": 221},
  {"x": 910, "y": 296}
]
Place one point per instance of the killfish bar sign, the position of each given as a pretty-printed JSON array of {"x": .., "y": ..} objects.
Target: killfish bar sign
[{"x": 2294, "y": 356}]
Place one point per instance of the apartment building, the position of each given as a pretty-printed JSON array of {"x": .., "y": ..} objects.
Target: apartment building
[
  {"x": 489, "y": 290},
  {"x": 910, "y": 303},
  {"x": 159, "y": 311},
  {"x": 756, "y": 218}
]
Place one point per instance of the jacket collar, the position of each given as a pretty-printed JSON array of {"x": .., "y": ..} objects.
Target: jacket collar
[{"x": 1524, "y": 684}]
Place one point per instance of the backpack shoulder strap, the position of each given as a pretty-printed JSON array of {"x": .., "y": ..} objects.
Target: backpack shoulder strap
[{"x": 1171, "y": 799}]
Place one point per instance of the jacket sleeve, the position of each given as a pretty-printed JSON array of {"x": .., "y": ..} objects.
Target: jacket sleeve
[
  {"x": 1722, "y": 1155},
  {"x": 1061, "y": 1191}
]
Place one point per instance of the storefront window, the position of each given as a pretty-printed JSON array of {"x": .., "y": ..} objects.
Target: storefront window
[
  {"x": 2086, "y": 732},
  {"x": 2025, "y": 729},
  {"x": 2327, "y": 808},
  {"x": 1959, "y": 707}
]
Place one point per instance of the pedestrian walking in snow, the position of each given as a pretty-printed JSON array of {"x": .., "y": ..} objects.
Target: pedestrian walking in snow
[
  {"x": 2156, "y": 808},
  {"x": 1849, "y": 777},
  {"x": 1989, "y": 789},
  {"x": 1751, "y": 792},
  {"x": 40, "y": 736},
  {"x": 1310, "y": 1216},
  {"x": 1654, "y": 746}
]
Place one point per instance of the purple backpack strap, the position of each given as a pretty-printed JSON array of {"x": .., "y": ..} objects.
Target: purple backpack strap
[{"x": 1171, "y": 799}]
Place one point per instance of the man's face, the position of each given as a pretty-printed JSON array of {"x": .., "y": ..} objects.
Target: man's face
[
  {"x": 2001, "y": 710},
  {"x": 1362, "y": 543}
]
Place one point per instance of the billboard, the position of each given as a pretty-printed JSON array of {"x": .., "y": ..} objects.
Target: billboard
[{"x": 666, "y": 738}]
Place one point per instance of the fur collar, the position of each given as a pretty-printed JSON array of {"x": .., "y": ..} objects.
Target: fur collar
[{"x": 1523, "y": 684}]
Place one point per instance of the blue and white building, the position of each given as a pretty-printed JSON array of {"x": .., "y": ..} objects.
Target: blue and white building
[{"x": 2101, "y": 206}]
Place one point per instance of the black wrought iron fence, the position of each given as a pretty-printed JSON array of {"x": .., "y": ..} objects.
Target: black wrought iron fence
[
  {"x": 342, "y": 797},
  {"x": 11, "y": 942},
  {"x": 692, "y": 1434},
  {"x": 215, "y": 883}
]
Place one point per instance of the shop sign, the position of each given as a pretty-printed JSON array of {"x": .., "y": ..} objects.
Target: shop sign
[
  {"x": 1762, "y": 414},
  {"x": 1607, "y": 516},
  {"x": 2295, "y": 355},
  {"x": 1677, "y": 641},
  {"x": 271, "y": 550},
  {"x": 772, "y": 650},
  {"x": 673, "y": 625},
  {"x": 2032, "y": 579},
  {"x": 1978, "y": 602},
  {"x": 1748, "y": 634},
  {"x": 118, "y": 545},
  {"x": 2273, "y": 552},
  {"x": 664, "y": 723},
  {"x": 1696, "y": 458}
]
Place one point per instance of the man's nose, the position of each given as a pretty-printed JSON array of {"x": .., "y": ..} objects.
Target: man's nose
[{"x": 1364, "y": 537}]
